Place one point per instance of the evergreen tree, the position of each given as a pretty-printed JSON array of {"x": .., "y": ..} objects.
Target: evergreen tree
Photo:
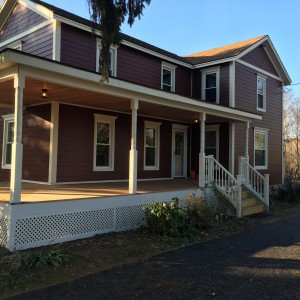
[{"x": 108, "y": 15}]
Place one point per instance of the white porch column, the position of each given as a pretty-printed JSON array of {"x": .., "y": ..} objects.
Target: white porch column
[
  {"x": 247, "y": 141},
  {"x": 202, "y": 151},
  {"x": 231, "y": 147},
  {"x": 17, "y": 146},
  {"x": 133, "y": 152},
  {"x": 53, "y": 143}
]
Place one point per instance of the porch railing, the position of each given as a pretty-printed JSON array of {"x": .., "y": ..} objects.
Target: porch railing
[
  {"x": 257, "y": 183},
  {"x": 224, "y": 181}
]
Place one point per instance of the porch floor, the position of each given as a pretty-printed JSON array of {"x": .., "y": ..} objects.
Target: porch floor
[{"x": 38, "y": 193}]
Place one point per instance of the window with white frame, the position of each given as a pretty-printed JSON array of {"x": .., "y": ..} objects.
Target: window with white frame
[
  {"x": 260, "y": 148},
  {"x": 261, "y": 93},
  {"x": 151, "y": 145},
  {"x": 212, "y": 140},
  {"x": 113, "y": 60},
  {"x": 211, "y": 84},
  {"x": 8, "y": 137},
  {"x": 104, "y": 142},
  {"x": 168, "y": 77}
]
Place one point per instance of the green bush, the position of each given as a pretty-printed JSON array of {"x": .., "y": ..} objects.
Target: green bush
[{"x": 168, "y": 219}]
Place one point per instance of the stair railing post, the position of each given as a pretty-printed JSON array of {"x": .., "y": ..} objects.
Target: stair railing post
[
  {"x": 266, "y": 190},
  {"x": 239, "y": 196}
]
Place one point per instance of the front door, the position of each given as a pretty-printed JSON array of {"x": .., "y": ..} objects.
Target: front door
[{"x": 179, "y": 151}]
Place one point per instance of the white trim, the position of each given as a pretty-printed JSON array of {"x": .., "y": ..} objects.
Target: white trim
[
  {"x": 232, "y": 84},
  {"x": 264, "y": 81},
  {"x": 213, "y": 63},
  {"x": 172, "y": 70},
  {"x": 180, "y": 128},
  {"x": 16, "y": 45},
  {"x": 156, "y": 126},
  {"x": 7, "y": 119},
  {"x": 258, "y": 69},
  {"x": 215, "y": 128},
  {"x": 53, "y": 149},
  {"x": 36, "y": 182},
  {"x": 56, "y": 40},
  {"x": 31, "y": 66},
  {"x": 231, "y": 147},
  {"x": 110, "y": 120},
  {"x": 266, "y": 133},
  {"x": 252, "y": 47},
  {"x": 208, "y": 71},
  {"x": 39, "y": 9},
  {"x": 25, "y": 33}
]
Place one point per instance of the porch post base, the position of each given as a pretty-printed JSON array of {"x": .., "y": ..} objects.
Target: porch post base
[
  {"x": 133, "y": 171},
  {"x": 16, "y": 173},
  {"x": 202, "y": 169}
]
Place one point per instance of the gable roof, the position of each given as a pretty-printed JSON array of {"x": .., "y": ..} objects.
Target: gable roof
[
  {"x": 222, "y": 52},
  {"x": 198, "y": 60}
]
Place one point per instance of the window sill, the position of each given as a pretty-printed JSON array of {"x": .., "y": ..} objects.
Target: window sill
[
  {"x": 151, "y": 168},
  {"x": 261, "y": 167},
  {"x": 261, "y": 109},
  {"x": 103, "y": 169},
  {"x": 6, "y": 167}
]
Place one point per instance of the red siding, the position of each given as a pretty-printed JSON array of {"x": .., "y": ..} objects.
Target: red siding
[
  {"x": 272, "y": 119},
  {"x": 76, "y": 142},
  {"x": 36, "y": 142},
  {"x": 20, "y": 20},
  {"x": 40, "y": 42},
  {"x": 139, "y": 67},
  {"x": 78, "y": 48},
  {"x": 183, "y": 81},
  {"x": 259, "y": 58}
]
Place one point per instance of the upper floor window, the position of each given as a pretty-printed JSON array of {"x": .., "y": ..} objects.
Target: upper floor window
[
  {"x": 8, "y": 137},
  {"x": 151, "y": 148},
  {"x": 210, "y": 84},
  {"x": 168, "y": 77},
  {"x": 104, "y": 142},
  {"x": 261, "y": 148},
  {"x": 113, "y": 60},
  {"x": 261, "y": 93}
]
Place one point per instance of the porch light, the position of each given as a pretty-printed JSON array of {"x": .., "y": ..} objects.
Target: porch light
[
  {"x": 44, "y": 94},
  {"x": 196, "y": 120}
]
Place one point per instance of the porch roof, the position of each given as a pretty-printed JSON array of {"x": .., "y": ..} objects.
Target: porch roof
[{"x": 79, "y": 87}]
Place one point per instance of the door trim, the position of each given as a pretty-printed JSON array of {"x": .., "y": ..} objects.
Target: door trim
[{"x": 182, "y": 128}]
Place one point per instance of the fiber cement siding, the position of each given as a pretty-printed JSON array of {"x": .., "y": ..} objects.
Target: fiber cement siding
[
  {"x": 20, "y": 20},
  {"x": 271, "y": 119},
  {"x": 76, "y": 146}
]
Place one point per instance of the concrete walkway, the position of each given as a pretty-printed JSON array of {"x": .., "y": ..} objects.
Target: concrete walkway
[{"x": 259, "y": 264}]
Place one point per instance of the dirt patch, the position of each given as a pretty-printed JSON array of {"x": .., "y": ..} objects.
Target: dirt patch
[{"x": 103, "y": 252}]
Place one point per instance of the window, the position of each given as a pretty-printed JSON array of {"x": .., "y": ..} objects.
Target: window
[
  {"x": 151, "y": 142},
  {"x": 113, "y": 60},
  {"x": 8, "y": 136},
  {"x": 210, "y": 84},
  {"x": 168, "y": 77},
  {"x": 261, "y": 93},
  {"x": 212, "y": 141},
  {"x": 104, "y": 141},
  {"x": 260, "y": 148}
]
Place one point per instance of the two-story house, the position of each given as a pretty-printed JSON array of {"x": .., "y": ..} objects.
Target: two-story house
[{"x": 160, "y": 116}]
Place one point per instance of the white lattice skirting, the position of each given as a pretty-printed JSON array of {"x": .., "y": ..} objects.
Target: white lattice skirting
[
  {"x": 40, "y": 224},
  {"x": 4, "y": 224}
]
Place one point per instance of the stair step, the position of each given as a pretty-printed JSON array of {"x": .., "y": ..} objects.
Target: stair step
[
  {"x": 246, "y": 194},
  {"x": 249, "y": 202},
  {"x": 250, "y": 210}
]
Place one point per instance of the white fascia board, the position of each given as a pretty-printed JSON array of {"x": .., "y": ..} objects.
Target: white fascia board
[
  {"x": 5, "y": 11},
  {"x": 57, "y": 73},
  {"x": 214, "y": 62},
  {"x": 39, "y": 9}
]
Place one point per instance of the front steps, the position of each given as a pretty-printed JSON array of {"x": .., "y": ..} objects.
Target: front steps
[{"x": 250, "y": 205}]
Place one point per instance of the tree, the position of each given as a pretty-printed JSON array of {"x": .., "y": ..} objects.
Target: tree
[{"x": 108, "y": 15}]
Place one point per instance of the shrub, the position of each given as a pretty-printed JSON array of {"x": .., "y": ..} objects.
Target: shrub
[
  {"x": 199, "y": 212},
  {"x": 168, "y": 219}
]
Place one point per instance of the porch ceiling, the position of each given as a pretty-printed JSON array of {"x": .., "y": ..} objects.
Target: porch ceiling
[{"x": 76, "y": 96}]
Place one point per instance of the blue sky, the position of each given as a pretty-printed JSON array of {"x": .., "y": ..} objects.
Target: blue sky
[{"x": 189, "y": 26}]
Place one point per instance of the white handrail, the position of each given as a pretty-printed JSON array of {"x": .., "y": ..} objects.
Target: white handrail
[
  {"x": 226, "y": 183},
  {"x": 254, "y": 181}
]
